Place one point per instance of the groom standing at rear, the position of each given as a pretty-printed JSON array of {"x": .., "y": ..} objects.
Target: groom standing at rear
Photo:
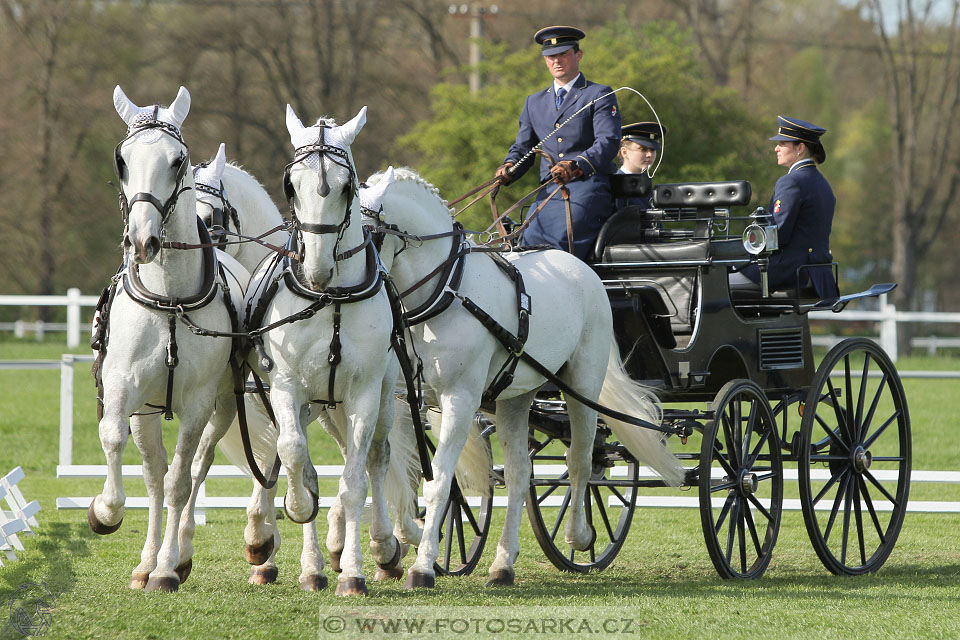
[{"x": 583, "y": 148}]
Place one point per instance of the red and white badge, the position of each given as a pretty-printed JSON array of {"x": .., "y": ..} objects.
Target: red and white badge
[{"x": 776, "y": 207}]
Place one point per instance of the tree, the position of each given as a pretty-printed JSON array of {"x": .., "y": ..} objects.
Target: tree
[
  {"x": 712, "y": 134},
  {"x": 920, "y": 67}
]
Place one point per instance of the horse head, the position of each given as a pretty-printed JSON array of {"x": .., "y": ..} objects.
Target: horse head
[
  {"x": 212, "y": 205},
  {"x": 151, "y": 164},
  {"x": 320, "y": 185}
]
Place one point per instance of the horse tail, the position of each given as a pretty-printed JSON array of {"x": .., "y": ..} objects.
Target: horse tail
[
  {"x": 621, "y": 393},
  {"x": 403, "y": 472},
  {"x": 473, "y": 465},
  {"x": 263, "y": 439}
]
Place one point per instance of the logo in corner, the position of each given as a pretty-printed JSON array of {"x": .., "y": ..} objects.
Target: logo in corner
[{"x": 30, "y": 609}]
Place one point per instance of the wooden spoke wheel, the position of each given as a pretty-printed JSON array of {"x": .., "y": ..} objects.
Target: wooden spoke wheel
[
  {"x": 854, "y": 458},
  {"x": 741, "y": 481},
  {"x": 610, "y": 500}
]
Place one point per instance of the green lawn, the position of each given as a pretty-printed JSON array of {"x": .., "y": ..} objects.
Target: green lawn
[{"x": 663, "y": 580}]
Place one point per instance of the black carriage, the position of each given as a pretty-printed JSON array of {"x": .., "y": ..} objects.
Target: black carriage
[{"x": 744, "y": 357}]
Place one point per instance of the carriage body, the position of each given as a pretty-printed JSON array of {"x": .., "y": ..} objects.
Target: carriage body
[{"x": 737, "y": 368}]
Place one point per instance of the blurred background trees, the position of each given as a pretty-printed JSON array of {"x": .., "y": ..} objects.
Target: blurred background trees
[{"x": 880, "y": 76}]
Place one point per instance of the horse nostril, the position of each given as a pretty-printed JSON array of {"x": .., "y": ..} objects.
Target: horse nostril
[
  {"x": 126, "y": 242},
  {"x": 155, "y": 245}
]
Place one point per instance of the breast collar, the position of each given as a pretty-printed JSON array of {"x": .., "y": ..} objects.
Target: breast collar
[
  {"x": 139, "y": 293},
  {"x": 451, "y": 273},
  {"x": 366, "y": 289}
]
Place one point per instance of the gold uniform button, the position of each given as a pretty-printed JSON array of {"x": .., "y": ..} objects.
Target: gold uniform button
[
  {"x": 559, "y": 139},
  {"x": 561, "y": 155},
  {"x": 556, "y": 125},
  {"x": 810, "y": 250}
]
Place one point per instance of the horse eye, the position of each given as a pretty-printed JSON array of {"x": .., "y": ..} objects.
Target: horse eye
[{"x": 178, "y": 162}]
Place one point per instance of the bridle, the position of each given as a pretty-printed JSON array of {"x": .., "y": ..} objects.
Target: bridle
[
  {"x": 220, "y": 216},
  {"x": 143, "y": 122},
  {"x": 339, "y": 157}
]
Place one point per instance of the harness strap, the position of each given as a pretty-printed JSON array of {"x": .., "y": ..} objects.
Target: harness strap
[
  {"x": 101, "y": 338},
  {"x": 172, "y": 361},
  {"x": 513, "y": 344},
  {"x": 414, "y": 395},
  {"x": 334, "y": 357},
  {"x": 504, "y": 377},
  {"x": 566, "y": 203},
  {"x": 238, "y": 391}
]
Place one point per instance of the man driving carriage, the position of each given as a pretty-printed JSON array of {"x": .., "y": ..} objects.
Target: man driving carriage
[{"x": 580, "y": 153}]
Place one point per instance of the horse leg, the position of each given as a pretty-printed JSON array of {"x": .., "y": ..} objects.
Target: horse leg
[
  {"x": 385, "y": 548},
  {"x": 312, "y": 577},
  {"x": 583, "y": 429},
  {"x": 177, "y": 488},
  {"x": 458, "y": 410},
  {"x": 336, "y": 525},
  {"x": 223, "y": 415},
  {"x": 361, "y": 418},
  {"x": 261, "y": 535},
  {"x": 148, "y": 437},
  {"x": 512, "y": 429},
  {"x": 300, "y": 502},
  {"x": 106, "y": 510}
]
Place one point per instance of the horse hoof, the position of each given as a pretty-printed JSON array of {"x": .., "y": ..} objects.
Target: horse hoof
[
  {"x": 183, "y": 571},
  {"x": 352, "y": 587},
  {"x": 316, "y": 583},
  {"x": 391, "y": 573},
  {"x": 419, "y": 580},
  {"x": 313, "y": 514},
  {"x": 593, "y": 538},
  {"x": 98, "y": 527},
  {"x": 267, "y": 575},
  {"x": 163, "y": 584},
  {"x": 138, "y": 579},
  {"x": 500, "y": 578},
  {"x": 335, "y": 560},
  {"x": 257, "y": 555}
]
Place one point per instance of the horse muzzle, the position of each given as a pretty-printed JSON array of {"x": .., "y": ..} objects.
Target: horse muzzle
[{"x": 143, "y": 248}]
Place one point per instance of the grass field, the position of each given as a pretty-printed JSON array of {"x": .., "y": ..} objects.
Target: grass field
[{"x": 662, "y": 581}]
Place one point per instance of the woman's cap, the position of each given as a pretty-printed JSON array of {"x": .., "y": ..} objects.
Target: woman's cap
[
  {"x": 647, "y": 134},
  {"x": 794, "y": 130}
]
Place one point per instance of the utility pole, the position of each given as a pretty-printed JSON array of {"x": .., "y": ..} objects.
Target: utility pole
[{"x": 477, "y": 13}]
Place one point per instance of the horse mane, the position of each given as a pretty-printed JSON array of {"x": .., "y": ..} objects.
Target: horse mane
[{"x": 406, "y": 174}]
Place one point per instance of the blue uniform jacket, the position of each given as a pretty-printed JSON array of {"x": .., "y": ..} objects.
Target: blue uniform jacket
[
  {"x": 802, "y": 206},
  {"x": 591, "y": 139}
]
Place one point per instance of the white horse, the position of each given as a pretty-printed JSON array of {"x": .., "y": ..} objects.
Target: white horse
[
  {"x": 570, "y": 333},
  {"x": 151, "y": 359},
  {"x": 232, "y": 203},
  {"x": 229, "y": 196},
  {"x": 338, "y": 354}
]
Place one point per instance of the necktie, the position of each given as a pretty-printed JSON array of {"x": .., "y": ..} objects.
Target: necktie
[{"x": 560, "y": 93}]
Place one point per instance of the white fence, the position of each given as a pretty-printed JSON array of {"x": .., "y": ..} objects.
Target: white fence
[
  {"x": 20, "y": 518},
  {"x": 886, "y": 318},
  {"x": 66, "y": 469},
  {"x": 72, "y": 301}
]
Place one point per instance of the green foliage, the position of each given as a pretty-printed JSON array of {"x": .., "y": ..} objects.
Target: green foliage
[{"x": 712, "y": 132}]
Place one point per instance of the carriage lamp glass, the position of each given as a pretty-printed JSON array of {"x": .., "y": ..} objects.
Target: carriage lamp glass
[
  {"x": 757, "y": 238},
  {"x": 754, "y": 239}
]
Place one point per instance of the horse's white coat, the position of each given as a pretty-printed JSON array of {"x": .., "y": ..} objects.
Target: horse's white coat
[
  {"x": 571, "y": 331},
  {"x": 366, "y": 374},
  {"x": 134, "y": 371}
]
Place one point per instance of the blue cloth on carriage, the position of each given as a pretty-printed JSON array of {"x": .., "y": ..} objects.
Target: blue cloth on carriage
[
  {"x": 802, "y": 207},
  {"x": 591, "y": 140}
]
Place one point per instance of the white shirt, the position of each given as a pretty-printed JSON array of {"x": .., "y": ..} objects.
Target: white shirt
[{"x": 568, "y": 87}]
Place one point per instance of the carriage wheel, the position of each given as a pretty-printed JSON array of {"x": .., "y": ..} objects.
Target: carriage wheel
[
  {"x": 741, "y": 496},
  {"x": 610, "y": 500},
  {"x": 463, "y": 529},
  {"x": 854, "y": 458}
]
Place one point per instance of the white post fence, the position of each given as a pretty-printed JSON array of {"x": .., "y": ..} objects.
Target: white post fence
[
  {"x": 19, "y": 518},
  {"x": 72, "y": 301}
]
